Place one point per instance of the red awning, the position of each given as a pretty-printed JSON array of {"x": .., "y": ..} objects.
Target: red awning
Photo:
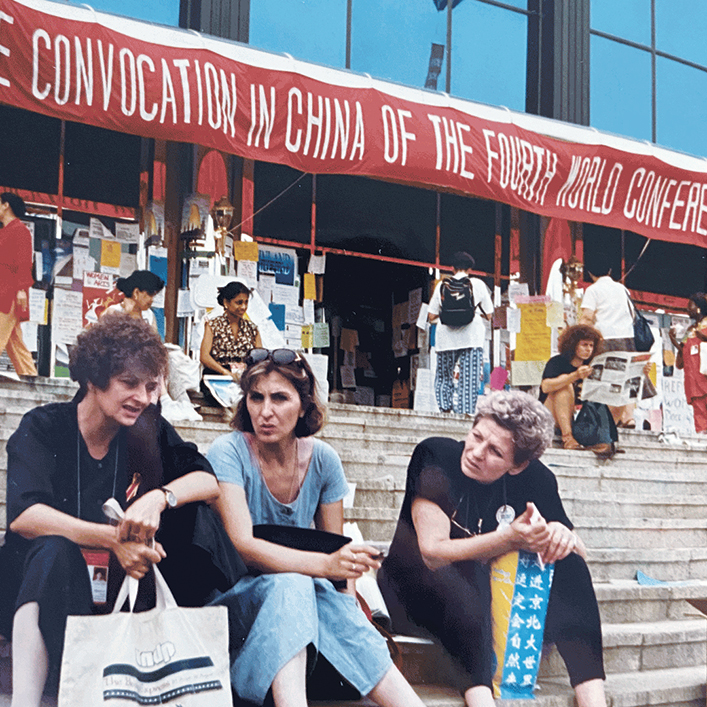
[{"x": 72, "y": 63}]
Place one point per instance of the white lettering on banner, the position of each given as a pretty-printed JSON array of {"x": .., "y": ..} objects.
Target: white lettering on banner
[
  {"x": 528, "y": 169},
  {"x": 216, "y": 90},
  {"x": 293, "y": 146},
  {"x": 212, "y": 95},
  {"x": 127, "y": 109},
  {"x": 390, "y": 130},
  {"x": 182, "y": 65},
  {"x": 312, "y": 122},
  {"x": 4, "y": 51},
  {"x": 648, "y": 198},
  {"x": 141, "y": 60},
  {"x": 267, "y": 117},
  {"x": 199, "y": 93},
  {"x": 585, "y": 182},
  {"x": 325, "y": 124},
  {"x": 84, "y": 72},
  {"x": 168, "y": 95},
  {"x": 452, "y": 145},
  {"x": 39, "y": 34},
  {"x": 229, "y": 103},
  {"x": 106, "y": 72}
]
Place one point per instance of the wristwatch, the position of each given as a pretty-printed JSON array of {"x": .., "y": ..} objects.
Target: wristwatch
[{"x": 169, "y": 497}]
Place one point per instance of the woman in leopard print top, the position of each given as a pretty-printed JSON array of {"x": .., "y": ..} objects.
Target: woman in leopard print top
[{"x": 229, "y": 337}]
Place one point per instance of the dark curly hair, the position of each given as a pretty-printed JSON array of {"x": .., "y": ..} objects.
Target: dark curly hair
[
  {"x": 572, "y": 335},
  {"x": 115, "y": 344},
  {"x": 233, "y": 289},
  {"x": 300, "y": 375}
]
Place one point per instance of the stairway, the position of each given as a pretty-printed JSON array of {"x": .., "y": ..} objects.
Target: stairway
[{"x": 646, "y": 509}]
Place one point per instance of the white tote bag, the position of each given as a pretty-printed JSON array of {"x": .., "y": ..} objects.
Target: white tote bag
[{"x": 168, "y": 655}]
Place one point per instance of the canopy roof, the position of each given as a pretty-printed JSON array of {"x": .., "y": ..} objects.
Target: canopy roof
[{"x": 76, "y": 64}]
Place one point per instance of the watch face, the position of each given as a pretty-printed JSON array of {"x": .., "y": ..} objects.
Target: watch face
[{"x": 171, "y": 498}]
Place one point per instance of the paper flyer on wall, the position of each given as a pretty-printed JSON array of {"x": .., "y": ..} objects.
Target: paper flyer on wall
[{"x": 616, "y": 378}]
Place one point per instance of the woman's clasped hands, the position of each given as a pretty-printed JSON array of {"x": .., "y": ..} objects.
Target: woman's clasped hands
[
  {"x": 552, "y": 541},
  {"x": 352, "y": 561},
  {"x": 135, "y": 548}
]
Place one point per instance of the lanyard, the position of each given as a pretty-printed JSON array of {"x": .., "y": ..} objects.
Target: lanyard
[{"x": 78, "y": 470}]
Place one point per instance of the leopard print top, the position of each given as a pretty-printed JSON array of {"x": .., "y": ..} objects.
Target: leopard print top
[{"x": 226, "y": 347}]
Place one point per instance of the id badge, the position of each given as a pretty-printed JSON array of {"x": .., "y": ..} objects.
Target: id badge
[{"x": 97, "y": 563}]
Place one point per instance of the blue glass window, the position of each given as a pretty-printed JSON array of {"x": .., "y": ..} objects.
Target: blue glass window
[
  {"x": 165, "y": 12},
  {"x": 620, "y": 90},
  {"x": 681, "y": 106},
  {"x": 680, "y": 29},
  {"x": 393, "y": 39},
  {"x": 628, "y": 19},
  {"x": 313, "y": 30},
  {"x": 489, "y": 48}
]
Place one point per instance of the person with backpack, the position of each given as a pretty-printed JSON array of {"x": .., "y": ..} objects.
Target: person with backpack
[{"x": 459, "y": 304}]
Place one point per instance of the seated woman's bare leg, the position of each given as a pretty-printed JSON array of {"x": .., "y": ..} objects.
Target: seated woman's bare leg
[
  {"x": 479, "y": 696},
  {"x": 30, "y": 662},
  {"x": 289, "y": 686},
  {"x": 590, "y": 694},
  {"x": 395, "y": 691},
  {"x": 561, "y": 405}
]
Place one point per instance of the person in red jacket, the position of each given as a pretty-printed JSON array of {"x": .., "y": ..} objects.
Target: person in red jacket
[{"x": 15, "y": 280}]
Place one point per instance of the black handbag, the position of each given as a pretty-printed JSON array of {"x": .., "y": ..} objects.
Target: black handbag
[
  {"x": 308, "y": 539},
  {"x": 594, "y": 425},
  {"x": 642, "y": 334}
]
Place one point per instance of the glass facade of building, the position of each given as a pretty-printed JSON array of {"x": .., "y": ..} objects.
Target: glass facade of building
[{"x": 649, "y": 71}]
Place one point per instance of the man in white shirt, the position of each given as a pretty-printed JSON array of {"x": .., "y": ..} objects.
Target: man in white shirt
[
  {"x": 464, "y": 344},
  {"x": 606, "y": 306}
]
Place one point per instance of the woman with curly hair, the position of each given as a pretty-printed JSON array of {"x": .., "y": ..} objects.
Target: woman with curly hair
[
  {"x": 64, "y": 461},
  {"x": 563, "y": 375},
  {"x": 467, "y": 503}
]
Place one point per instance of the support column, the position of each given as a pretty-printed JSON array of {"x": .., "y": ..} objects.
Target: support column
[{"x": 557, "y": 86}]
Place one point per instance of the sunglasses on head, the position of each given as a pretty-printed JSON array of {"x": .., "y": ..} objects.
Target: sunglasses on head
[{"x": 281, "y": 357}]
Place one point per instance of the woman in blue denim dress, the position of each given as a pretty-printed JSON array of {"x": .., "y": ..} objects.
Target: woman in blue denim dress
[{"x": 272, "y": 471}]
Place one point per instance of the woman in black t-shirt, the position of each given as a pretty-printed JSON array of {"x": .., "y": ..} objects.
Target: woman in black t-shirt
[
  {"x": 563, "y": 376},
  {"x": 467, "y": 503}
]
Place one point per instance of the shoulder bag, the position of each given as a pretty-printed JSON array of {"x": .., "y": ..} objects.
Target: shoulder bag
[{"x": 642, "y": 334}]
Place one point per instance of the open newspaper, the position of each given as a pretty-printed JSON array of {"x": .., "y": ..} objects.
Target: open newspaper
[{"x": 616, "y": 379}]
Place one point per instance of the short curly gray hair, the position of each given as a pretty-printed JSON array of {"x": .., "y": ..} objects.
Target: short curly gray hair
[{"x": 528, "y": 420}]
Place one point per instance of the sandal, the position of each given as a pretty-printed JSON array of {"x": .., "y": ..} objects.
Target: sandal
[{"x": 569, "y": 442}]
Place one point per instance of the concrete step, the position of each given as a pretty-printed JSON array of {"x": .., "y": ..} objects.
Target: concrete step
[
  {"x": 666, "y": 564},
  {"x": 675, "y": 687},
  {"x": 626, "y": 601},
  {"x": 641, "y": 647}
]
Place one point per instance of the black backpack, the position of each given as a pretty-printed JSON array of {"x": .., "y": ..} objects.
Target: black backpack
[{"x": 458, "y": 306}]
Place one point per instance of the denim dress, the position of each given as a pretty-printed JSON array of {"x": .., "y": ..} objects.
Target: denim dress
[{"x": 272, "y": 617}]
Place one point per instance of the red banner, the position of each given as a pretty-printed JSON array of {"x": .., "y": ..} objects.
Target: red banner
[{"x": 72, "y": 63}]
